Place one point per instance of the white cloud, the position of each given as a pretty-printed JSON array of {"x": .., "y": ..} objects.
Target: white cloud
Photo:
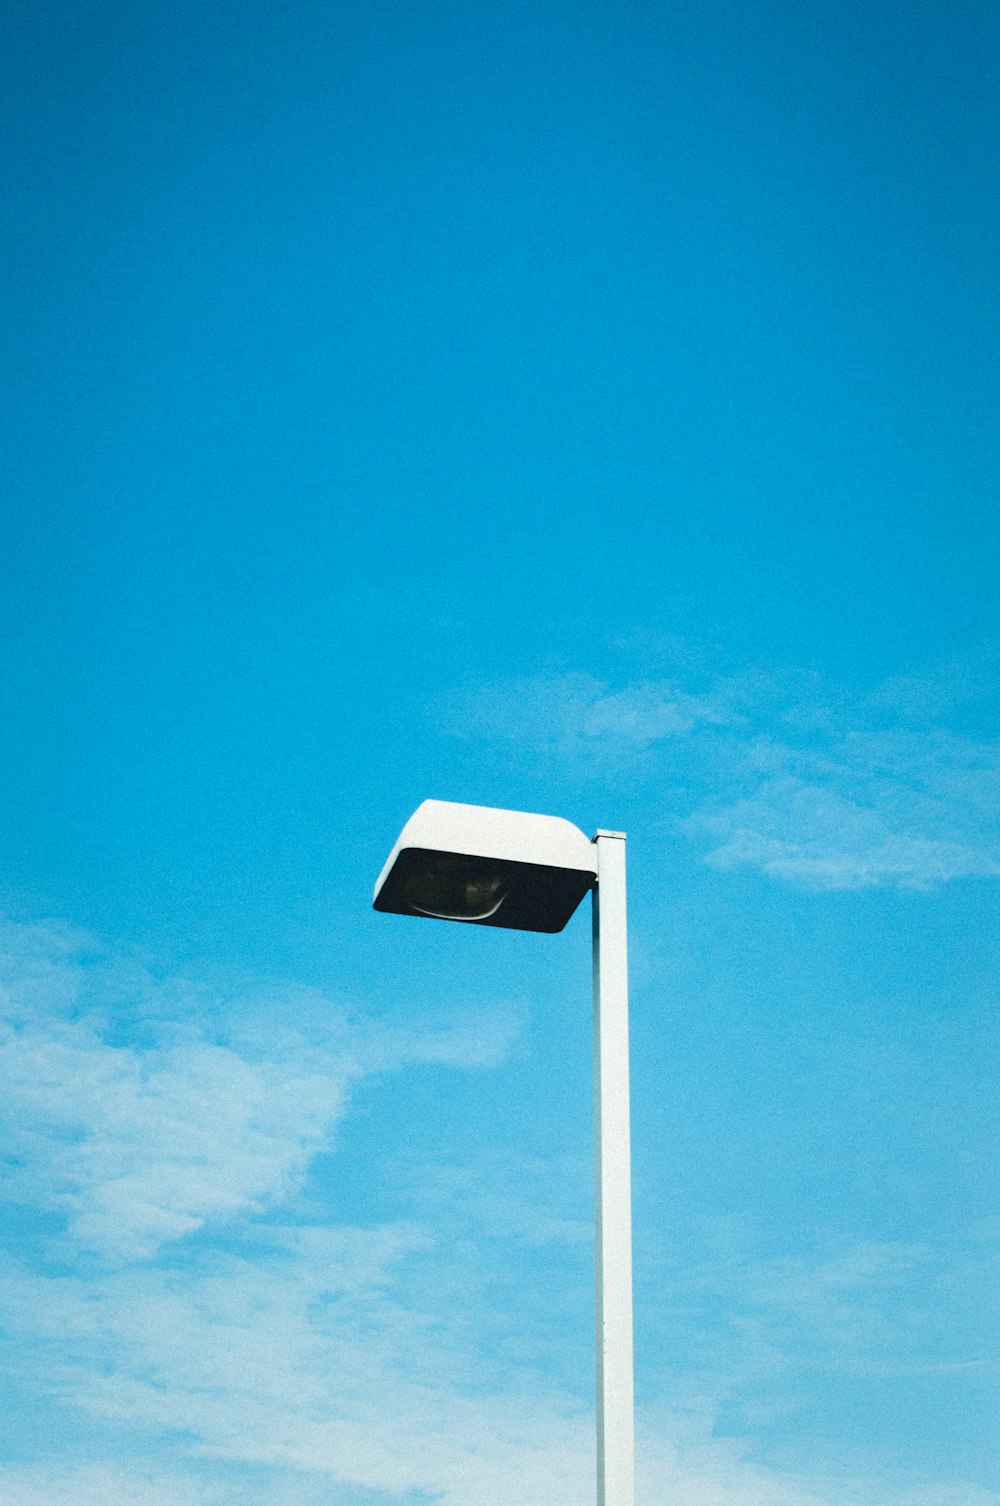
[
  {"x": 307, "y": 1374},
  {"x": 862, "y": 809},
  {"x": 793, "y": 830},
  {"x": 770, "y": 1321},
  {"x": 279, "y": 1357},
  {"x": 575, "y": 712},
  {"x": 142, "y": 1146},
  {"x": 144, "y": 1140},
  {"x": 780, "y": 771},
  {"x": 650, "y": 712},
  {"x": 101, "y": 1485}
]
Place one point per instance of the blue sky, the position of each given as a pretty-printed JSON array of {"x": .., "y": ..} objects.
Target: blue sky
[{"x": 586, "y": 409}]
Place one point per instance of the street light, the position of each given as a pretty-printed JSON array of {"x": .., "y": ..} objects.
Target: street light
[{"x": 480, "y": 866}]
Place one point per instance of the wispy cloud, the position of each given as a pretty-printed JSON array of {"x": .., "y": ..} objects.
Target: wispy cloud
[
  {"x": 861, "y": 809},
  {"x": 200, "y": 1333},
  {"x": 771, "y": 1319},
  {"x": 807, "y": 833},
  {"x": 142, "y": 1146},
  {"x": 101, "y": 1485},
  {"x": 192, "y": 1119},
  {"x": 781, "y": 771},
  {"x": 567, "y": 712},
  {"x": 320, "y": 1370}
]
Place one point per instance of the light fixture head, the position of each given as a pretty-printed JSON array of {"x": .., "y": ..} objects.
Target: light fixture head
[{"x": 487, "y": 867}]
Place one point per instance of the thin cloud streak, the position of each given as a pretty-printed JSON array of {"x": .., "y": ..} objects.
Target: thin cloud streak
[
  {"x": 778, "y": 771},
  {"x": 805, "y": 833},
  {"x": 568, "y": 712}
]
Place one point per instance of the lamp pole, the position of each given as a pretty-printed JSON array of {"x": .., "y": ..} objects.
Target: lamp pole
[
  {"x": 525, "y": 872},
  {"x": 613, "y": 1184}
]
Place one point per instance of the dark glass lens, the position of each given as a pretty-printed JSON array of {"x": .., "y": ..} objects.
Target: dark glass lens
[{"x": 455, "y": 889}]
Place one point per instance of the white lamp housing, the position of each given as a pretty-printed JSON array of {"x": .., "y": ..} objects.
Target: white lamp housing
[{"x": 487, "y": 867}]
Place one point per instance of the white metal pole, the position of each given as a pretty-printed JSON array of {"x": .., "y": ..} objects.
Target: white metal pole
[{"x": 615, "y": 1426}]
